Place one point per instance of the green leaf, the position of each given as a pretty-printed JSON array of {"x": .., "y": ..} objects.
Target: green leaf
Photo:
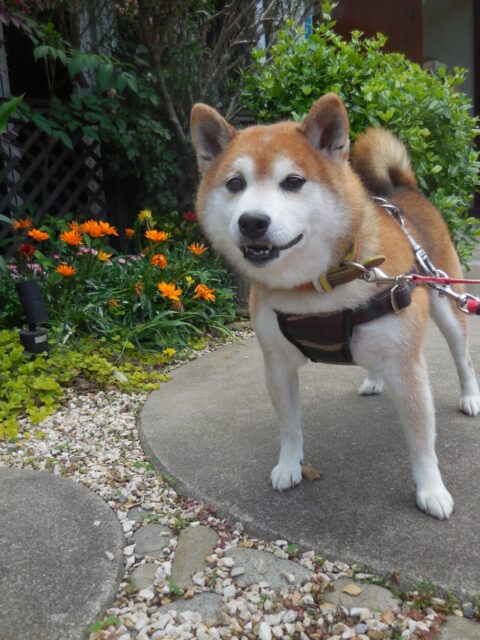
[
  {"x": 132, "y": 83},
  {"x": 41, "y": 52},
  {"x": 3, "y": 267},
  {"x": 76, "y": 65},
  {"x": 63, "y": 137},
  {"x": 105, "y": 76},
  {"x": 93, "y": 133},
  {"x": 55, "y": 278},
  {"x": 5, "y": 219},
  {"x": 6, "y": 110},
  {"x": 121, "y": 82},
  {"x": 174, "y": 588}
]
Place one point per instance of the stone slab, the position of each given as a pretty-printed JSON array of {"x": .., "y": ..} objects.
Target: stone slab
[
  {"x": 209, "y": 605},
  {"x": 194, "y": 545},
  {"x": 151, "y": 539},
  {"x": 55, "y": 580},
  {"x": 460, "y": 629},
  {"x": 262, "y": 566},
  {"x": 144, "y": 575},
  {"x": 371, "y": 596},
  {"x": 363, "y": 508}
]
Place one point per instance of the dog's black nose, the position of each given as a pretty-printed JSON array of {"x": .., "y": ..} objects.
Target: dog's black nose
[{"x": 253, "y": 225}]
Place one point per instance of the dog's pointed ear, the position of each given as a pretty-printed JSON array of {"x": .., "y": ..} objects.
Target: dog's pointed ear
[
  {"x": 210, "y": 134},
  {"x": 326, "y": 127}
]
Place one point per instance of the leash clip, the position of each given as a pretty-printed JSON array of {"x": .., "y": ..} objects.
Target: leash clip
[{"x": 462, "y": 301}]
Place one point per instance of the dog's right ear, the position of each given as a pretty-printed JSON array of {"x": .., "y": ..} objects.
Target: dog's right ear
[{"x": 210, "y": 134}]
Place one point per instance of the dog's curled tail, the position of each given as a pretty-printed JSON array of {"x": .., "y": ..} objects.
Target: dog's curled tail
[{"x": 382, "y": 161}]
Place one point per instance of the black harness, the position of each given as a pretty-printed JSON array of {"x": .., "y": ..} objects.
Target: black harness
[{"x": 326, "y": 337}]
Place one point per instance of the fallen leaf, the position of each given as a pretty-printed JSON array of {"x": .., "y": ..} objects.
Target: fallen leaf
[
  {"x": 247, "y": 544},
  {"x": 310, "y": 473},
  {"x": 352, "y": 589}
]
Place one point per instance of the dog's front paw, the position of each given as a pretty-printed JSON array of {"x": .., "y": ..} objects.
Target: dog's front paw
[
  {"x": 470, "y": 405},
  {"x": 437, "y": 503},
  {"x": 286, "y": 475},
  {"x": 371, "y": 386}
]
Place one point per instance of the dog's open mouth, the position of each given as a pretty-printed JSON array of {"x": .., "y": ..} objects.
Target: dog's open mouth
[{"x": 262, "y": 253}]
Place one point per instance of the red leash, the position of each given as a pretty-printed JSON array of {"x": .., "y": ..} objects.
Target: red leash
[
  {"x": 417, "y": 278},
  {"x": 472, "y": 305}
]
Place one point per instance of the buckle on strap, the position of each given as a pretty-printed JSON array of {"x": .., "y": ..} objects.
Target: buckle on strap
[{"x": 393, "y": 299}]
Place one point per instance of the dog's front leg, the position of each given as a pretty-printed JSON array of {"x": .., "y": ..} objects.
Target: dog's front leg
[{"x": 282, "y": 385}]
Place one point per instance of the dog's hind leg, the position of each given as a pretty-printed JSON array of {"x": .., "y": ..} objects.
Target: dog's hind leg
[
  {"x": 408, "y": 381},
  {"x": 453, "y": 325},
  {"x": 372, "y": 385}
]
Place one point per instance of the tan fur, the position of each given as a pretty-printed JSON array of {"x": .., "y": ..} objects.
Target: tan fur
[{"x": 385, "y": 168}]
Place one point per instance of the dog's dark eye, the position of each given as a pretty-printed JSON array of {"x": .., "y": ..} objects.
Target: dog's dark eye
[
  {"x": 235, "y": 184},
  {"x": 292, "y": 183}
]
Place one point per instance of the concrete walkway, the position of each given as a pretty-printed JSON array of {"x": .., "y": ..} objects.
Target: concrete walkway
[
  {"x": 212, "y": 429},
  {"x": 55, "y": 579}
]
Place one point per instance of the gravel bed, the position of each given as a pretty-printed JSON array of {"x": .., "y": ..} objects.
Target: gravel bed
[{"x": 92, "y": 439}]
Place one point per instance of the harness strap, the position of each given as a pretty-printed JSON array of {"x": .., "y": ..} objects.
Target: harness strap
[{"x": 326, "y": 337}]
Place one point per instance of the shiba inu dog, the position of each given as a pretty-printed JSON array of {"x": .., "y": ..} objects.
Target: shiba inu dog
[{"x": 286, "y": 207}]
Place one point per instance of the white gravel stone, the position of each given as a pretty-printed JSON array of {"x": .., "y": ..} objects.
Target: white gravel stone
[
  {"x": 227, "y": 562},
  {"x": 264, "y": 631},
  {"x": 229, "y": 592}
]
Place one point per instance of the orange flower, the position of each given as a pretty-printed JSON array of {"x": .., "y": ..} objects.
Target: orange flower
[
  {"x": 129, "y": 232},
  {"x": 73, "y": 237},
  {"x": 168, "y": 290},
  {"x": 73, "y": 226},
  {"x": 156, "y": 236},
  {"x": 108, "y": 229},
  {"x": 138, "y": 288},
  {"x": 197, "y": 248},
  {"x": 66, "y": 270},
  {"x": 93, "y": 228},
  {"x": 38, "y": 235},
  {"x": 18, "y": 225},
  {"x": 159, "y": 260},
  {"x": 113, "y": 302},
  {"x": 103, "y": 257},
  {"x": 202, "y": 291}
]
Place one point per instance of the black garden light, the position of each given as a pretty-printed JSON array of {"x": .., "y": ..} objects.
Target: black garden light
[{"x": 34, "y": 339}]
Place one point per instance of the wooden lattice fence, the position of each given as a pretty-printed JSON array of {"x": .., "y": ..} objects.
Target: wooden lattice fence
[{"x": 45, "y": 176}]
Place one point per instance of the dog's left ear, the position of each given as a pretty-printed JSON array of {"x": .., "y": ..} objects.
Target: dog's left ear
[{"x": 326, "y": 127}]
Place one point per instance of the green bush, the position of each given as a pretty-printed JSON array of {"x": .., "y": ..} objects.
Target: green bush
[{"x": 427, "y": 112}]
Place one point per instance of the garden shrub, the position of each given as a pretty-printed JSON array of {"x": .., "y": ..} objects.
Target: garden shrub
[{"x": 427, "y": 112}]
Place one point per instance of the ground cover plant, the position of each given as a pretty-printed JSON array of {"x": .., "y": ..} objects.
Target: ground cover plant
[{"x": 429, "y": 113}]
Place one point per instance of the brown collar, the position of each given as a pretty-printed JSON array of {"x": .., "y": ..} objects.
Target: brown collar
[{"x": 343, "y": 272}]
